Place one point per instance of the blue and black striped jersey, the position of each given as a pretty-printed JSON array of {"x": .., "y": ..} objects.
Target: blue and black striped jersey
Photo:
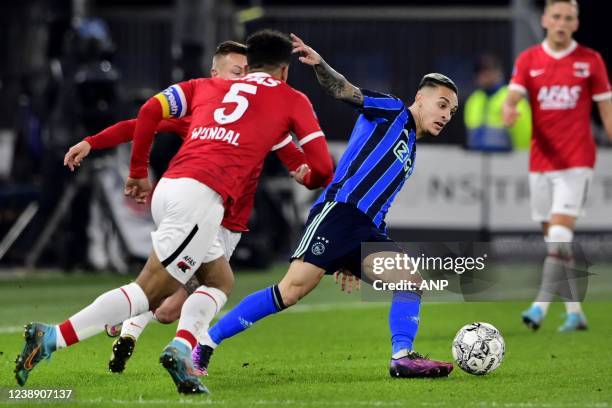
[{"x": 378, "y": 159}]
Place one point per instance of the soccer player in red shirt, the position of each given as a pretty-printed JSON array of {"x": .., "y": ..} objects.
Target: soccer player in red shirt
[
  {"x": 561, "y": 79},
  {"x": 229, "y": 62},
  {"x": 234, "y": 124}
]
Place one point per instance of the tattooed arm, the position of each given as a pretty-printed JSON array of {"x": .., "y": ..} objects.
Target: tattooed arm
[
  {"x": 336, "y": 84},
  {"x": 333, "y": 82}
]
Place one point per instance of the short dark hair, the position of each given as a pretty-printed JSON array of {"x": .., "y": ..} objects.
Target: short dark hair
[
  {"x": 434, "y": 80},
  {"x": 268, "y": 48},
  {"x": 231, "y": 47}
]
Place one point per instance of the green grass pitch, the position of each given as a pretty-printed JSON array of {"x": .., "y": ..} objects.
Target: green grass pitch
[{"x": 332, "y": 350}]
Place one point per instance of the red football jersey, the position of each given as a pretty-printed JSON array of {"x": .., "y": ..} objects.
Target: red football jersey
[
  {"x": 234, "y": 124},
  {"x": 238, "y": 218},
  {"x": 561, "y": 87}
]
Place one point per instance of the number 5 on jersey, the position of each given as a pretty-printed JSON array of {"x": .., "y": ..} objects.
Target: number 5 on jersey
[{"x": 233, "y": 96}]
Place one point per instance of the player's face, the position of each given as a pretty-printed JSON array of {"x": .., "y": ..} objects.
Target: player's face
[
  {"x": 560, "y": 21},
  {"x": 230, "y": 66},
  {"x": 437, "y": 106}
]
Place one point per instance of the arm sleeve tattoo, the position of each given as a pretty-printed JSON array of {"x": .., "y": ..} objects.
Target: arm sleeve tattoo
[{"x": 336, "y": 85}]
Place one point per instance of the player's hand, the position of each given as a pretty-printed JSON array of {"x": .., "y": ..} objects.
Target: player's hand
[
  {"x": 308, "y": 56},
  {"x": 138, "y": 189},
  {"x": 348, "y": 280},
  {"x": 76, "y": 154},
  {"x": 300, "y": 173},
  {"x": 509, "y": 115}
]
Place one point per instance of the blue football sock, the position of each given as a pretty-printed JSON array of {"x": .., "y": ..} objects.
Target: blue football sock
[
  {"x": 252, "y": 308},
  {"x": 404, "y": 319}
]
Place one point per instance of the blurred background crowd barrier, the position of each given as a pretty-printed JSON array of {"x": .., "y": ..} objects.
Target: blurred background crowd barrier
[{"x": 70, "y": 68}]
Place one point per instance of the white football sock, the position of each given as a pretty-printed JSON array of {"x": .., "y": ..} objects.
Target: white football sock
[
  {"x": 135, "y": 326},
  {"x": 558, "y": 268},
  {"x": 573, "y": 307},
  {"x": 544, "y": 286},
  {"x": 111, "y": 307},
  {"x": 60, "y": 343},
  {"x": 543, "y": 306},
  {"x": 207, "y": 341},
  {"x": 198, "y": 311},
  {"x": 400, "y": 354}
]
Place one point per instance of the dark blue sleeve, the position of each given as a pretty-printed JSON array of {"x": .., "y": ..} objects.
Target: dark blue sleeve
[{"x": 380, "y": 105}]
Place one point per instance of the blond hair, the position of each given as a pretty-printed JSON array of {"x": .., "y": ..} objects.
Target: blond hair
[{"x": 570, "y": 2}]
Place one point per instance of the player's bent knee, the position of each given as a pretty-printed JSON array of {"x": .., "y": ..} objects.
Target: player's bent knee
[
  {"x": 217, "y": 274},
  {"x": 156, "y": 282},
  {"x": 291, "y": 296},
  {"x": 166, "y": 315},
  {"x": 170, "y": 309},
  {"x": 559, "y": 239},
  {"x": 292, "y": 293},
  {"x": 225, "y": 283},
  {"x": 301, "y": 278}
]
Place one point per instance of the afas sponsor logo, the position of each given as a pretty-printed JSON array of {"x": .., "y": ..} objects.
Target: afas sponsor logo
[
  {"x": 186, "y": 264},
  {"x": 183, "y": 266},
  {"x": 265, "y": 81},
  {"x": 559, "y": 97}
]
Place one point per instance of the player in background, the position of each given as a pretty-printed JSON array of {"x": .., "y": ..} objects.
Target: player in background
[
  {"x": 561, "y": 79},
  {"x": 234, "y": 124},
  {"x": 229, "y": 62},
  {"x": 378, "y": 160}
]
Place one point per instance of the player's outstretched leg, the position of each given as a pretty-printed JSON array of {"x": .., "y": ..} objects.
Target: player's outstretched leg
[
  {"x": 404, "y": 323},
  {"x": 152, "y": 285},
  {"x": 301, "y": 278},
  {"x": 251, "y": 309},
  {"x": 41, "y": 340}
]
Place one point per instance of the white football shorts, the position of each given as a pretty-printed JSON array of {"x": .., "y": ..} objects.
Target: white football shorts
[
  {"x": 188, "y": 216},
  {"x": 559, "y": 192},
  {"x": 224, "y": 245}
]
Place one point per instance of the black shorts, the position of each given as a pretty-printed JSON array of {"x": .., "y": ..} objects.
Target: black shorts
[{"x": 333, "y": 236}]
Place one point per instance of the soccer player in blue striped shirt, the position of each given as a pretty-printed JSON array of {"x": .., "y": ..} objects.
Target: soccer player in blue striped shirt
[{"x": 379, "y": 158}]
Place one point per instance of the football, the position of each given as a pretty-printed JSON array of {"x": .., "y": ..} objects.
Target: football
[{"x": 478, "y": 348}]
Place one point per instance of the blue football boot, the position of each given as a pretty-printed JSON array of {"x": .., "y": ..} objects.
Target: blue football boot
[
  {"x": 176, "y": 359},
  {"x": 39, "y": 344},
  {"x": 573, "y": 322},
  {"x": 533, "y": 317}
]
